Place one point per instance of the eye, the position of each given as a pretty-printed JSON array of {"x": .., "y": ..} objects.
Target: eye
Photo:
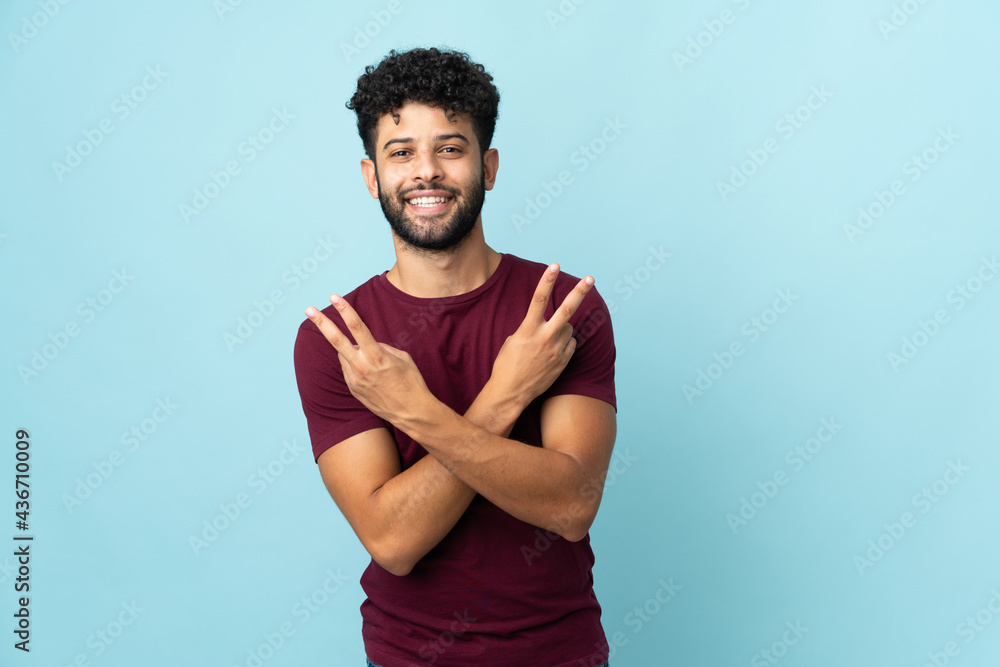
[
  {"x": 399, "y": 152},
  {"x": 453, "y": 149}
]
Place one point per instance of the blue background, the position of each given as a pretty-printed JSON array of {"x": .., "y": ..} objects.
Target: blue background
[{"x": 697, "y": 95}]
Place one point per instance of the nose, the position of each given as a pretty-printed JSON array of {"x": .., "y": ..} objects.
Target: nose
[{"x": 427, "y": 167}]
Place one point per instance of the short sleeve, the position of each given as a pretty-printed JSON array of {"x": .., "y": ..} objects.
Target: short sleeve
[
  {"x": 591, "y": 370},
  {"x": 333, "y": 414}
]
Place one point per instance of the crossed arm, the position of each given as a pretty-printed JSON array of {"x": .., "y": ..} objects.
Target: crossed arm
[{"x": 401, "y": 515}]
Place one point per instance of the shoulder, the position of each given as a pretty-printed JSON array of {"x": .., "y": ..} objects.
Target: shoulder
[
  {"x": 360, "y": 299},
  {"x": 311, "y": 346},
  {"x": 526, "y": 269},
  {"x": 593, "y": 313}
]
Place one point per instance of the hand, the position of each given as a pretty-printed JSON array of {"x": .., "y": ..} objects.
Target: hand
[
  {"x": 532, "y": 358},
  {"x": 383, "y": 378}
]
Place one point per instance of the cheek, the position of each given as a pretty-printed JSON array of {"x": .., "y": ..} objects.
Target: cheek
[
  {"x": 387, "y": 181},
  {"x": 466, "y": 181}
]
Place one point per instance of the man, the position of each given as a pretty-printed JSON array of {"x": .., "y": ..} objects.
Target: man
[{"x": 461, "y": 405}]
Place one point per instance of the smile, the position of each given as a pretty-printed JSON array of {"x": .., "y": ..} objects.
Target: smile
[{"x": 429, "y": 204}]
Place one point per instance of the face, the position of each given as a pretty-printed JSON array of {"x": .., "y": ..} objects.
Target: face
[{"x": 429, "y": 176}]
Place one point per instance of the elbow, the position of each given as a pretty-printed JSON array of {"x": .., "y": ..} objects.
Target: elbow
[
  {"x": 392, "y": 559},
  {"x": 399, "y": 568},
  {"x": 575, "y": 523},
  {"x": 576, "y": 533}
]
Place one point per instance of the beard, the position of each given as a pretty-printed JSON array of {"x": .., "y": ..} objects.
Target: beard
[{"x": 435, "y": 233}]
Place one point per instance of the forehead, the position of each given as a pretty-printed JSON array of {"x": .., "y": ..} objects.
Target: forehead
[{"x": 417, "y": 120}]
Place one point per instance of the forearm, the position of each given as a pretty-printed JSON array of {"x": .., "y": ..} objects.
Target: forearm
[
  {"x": 543, "y": 487},
  {"x": 419, "y": 506}
]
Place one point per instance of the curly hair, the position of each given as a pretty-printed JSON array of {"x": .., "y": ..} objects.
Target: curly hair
[{"x": 446, "y": 79}]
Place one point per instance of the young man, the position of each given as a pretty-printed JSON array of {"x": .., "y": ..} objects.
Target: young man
[{"x": 461, "y": 405}]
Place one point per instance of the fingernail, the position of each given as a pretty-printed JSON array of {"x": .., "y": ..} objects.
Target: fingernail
[
  {"x": 310, "y": 312},
  {"x": 334, "y": 299},
  {"x": 553, "y": 267},
  {"x": 588, "y": 280}
]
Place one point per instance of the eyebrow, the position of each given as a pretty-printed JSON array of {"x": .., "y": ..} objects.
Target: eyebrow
[{"x": 440, "y": 137}]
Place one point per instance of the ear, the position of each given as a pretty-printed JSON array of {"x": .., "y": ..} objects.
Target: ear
[
  {"x": 368, "y": 173},
  {"x": 491, "y": 162}
]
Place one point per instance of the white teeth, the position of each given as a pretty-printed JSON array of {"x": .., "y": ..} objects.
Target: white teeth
[{"x": 428, "y": 201}]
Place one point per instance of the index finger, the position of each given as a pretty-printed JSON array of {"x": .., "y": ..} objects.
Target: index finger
[
  {"x": 536, "y": 309},
  {"x": 332, "y": 333}
]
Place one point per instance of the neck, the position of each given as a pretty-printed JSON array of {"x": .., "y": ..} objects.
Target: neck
[{"x": 441, "y": 273}]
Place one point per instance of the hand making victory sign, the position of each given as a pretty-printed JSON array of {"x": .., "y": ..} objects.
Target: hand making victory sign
[{"x": 386, "y": 380}]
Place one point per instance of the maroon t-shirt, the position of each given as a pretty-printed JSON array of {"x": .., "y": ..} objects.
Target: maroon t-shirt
[{"x": 495, "y": 590}]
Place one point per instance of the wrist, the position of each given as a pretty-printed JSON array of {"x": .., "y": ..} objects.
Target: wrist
[
  {"x": 424, "y": 415},
  {"x": 498, "y": 408},
  {"x": 449, "y": 437}
]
